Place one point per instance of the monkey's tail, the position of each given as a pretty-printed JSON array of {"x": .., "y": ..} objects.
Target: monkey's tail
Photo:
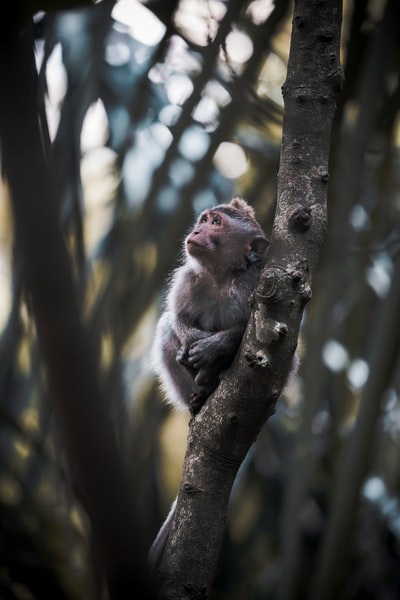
[{"x": 158, "y": 546}]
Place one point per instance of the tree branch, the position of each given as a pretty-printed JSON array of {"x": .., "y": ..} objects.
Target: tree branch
[{"x": 222, "y": 433}]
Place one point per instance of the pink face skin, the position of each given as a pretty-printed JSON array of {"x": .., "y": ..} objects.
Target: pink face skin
[{"x": 218, "y": 237}]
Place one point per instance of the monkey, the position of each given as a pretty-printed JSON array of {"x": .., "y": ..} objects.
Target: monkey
[
  {"x": 208, "y": 303},
  {"x": 207, "y": 309}
]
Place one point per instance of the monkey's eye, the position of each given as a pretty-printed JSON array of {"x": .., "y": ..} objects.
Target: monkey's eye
[
  {"x": 203, "y": 219},
  {"x": 215, "y": 221}
]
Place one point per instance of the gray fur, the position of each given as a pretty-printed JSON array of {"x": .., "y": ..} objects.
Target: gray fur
[{"x": 207, "y": 309}]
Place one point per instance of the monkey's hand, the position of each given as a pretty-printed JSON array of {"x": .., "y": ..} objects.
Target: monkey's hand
[
  {"x": 192, "y": 336},
  {"x": 221, "y": 346}
]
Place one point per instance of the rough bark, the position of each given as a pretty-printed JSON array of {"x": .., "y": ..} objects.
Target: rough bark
[{"x": 222, "y": 433}]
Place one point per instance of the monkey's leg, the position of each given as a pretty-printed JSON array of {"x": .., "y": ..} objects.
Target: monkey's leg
[{"x": 206, "y": 381}]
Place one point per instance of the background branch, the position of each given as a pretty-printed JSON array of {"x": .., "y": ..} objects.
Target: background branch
[{"x": 92, "y": 453}]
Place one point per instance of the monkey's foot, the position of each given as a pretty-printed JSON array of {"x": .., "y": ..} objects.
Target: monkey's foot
[{"x": 196, "y": 402}]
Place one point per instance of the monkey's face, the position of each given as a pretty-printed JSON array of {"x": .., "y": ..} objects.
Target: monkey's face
[
  {"x": 222, "y": 242},
  {"x": 206, "y": 235}
]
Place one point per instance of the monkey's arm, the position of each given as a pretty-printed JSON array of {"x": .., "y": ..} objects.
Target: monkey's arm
[
  {"x": 206, "y": 354},
  {"x": 187, "y": 341},
  {"x": 187, "y": 335},
  {"x": 209, "y": 356}
]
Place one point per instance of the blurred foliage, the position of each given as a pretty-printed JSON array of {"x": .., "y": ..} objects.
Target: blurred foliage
[{"x": 149, "y": 115}]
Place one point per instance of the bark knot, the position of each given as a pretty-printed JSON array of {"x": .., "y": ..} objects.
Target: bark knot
[
  {"x": 323, "y": 174},
  {"x": 233, "y": 418},
  {"x": 325, "y": 35},
  {"x": 257, "y": 360},
  {"x": 189, "y": 488},
  {"x": 270, "y": 288},
  {"x": 300, "y": 219},
  {"x": 299, "y": 20}
]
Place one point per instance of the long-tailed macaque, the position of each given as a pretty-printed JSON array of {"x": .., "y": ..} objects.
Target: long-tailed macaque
[
  {"x": 208, "y": 303},
  {"x": 207, "y": 309}
]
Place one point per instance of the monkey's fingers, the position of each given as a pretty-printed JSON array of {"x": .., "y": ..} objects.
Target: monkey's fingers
[
  {"x": 182, "y": 357},
  {"x": 202, "y": 354},
  {"x": 196, "y": 363}
]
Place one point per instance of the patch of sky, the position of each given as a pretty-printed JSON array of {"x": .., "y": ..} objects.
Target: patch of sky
[
  {"x": 206, "y": 112},
  {"x": 271, "y": 78},
  {"x": 376, "y": 492},
  {"x": 199, "y": 20},
  {"x": 230, "y": 159},
  {"x": 181, "y": 172},
  {"x": 374, "y": 488},
  {"x": 167, "y": 200},
  {"x": 359, "y": 218},
  {"x": 194, "y": 143},
  {"x": 142, "y": 160},
  {"x": 379, "y": 274},
  {"x": 117, "y": 53},
  {"x": 259, "y": 10},
  {"x": 204, "y": 199},
  {"x": 170, "y": 114},
  {"x": 94, "y": 132},
  {"x": 142, "y": 24},
  {"x": 239, "y": 46},
  {"x": 335, "y": 356},
  {"x": 357, "y": 373},
  {"x": 391, "y": 417},
  {"x": 57, "y": 82},
  {"x": 178, "y": 87},
  {"x": 218, "y": 92}
]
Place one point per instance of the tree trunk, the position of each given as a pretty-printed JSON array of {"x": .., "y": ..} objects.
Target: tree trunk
[{"x": 222, "y": 433}]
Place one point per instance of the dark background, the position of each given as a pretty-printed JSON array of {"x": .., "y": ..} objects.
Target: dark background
[{"x": 132, "y": 122}]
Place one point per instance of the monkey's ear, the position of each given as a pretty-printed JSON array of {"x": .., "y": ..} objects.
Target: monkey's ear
[
  {"x": 242, "y": 205},
  {"x": 257, "y": 249}
]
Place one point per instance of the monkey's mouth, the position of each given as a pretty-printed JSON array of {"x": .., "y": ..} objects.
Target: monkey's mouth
[{"x": 193, "y": 244}]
